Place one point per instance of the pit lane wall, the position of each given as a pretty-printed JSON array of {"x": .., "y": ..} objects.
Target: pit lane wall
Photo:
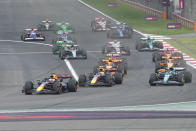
[{"x": 186, "y": 15}]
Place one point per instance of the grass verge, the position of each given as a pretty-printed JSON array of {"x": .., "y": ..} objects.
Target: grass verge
[
  {"x": 185, "y": 44},
  {"x": 135, "y": 18}
]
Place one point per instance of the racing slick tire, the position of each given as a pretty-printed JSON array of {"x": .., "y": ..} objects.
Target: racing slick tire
[
  {"x": 82, "y": 80},
  {"x": 72, "y": 85},
  {"x": 139, "y": 46},
  {"x": 22, "y": 37},
  {"x": 125, "y": 65},
  {"x": 121, "y": 68},
  {"x": 153, "y": 56},
  {"x": 83, "y": 53},
  {"x": 118, "y": 78},
  {"x": 180, "y": 79},
  {"x": 108, "y": 80},
  {"x": 57, "y": 87},
  {"x": 90, "y": 76},
  {"x": 153, "y": 77},
  {"x": 62, "y": 54},
  {"x": 28, "y": 87},
  {"x": 157, "y": 57},
  {"x": 103, "y": 49},
  {"x": 93, "y": 28},
  {"x": 178, "y": 54},
  {"x": 127, "y": 49},
  {"x": 130, "y": 33},
  {"x": 108, "y": 34},
  {"x": 187, "y": 77},
  {"x": 55, "y": 48}
]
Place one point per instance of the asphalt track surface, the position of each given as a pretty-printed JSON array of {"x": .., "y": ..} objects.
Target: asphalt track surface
[{"x": 28, "y": 61}]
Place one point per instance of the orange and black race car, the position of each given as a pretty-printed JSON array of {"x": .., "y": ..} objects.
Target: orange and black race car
[
  {"x": 114, "y": 61},
  {"x": 166, "y": 54},
  {"x": 169, "y": 63}
]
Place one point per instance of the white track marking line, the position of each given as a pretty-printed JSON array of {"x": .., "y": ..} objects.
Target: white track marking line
[
  {"x": 24, "y": 53},
  {"x": 187, "y": 106},
  {"x": 93, "y": 51},
  {"x": 26, "y": 42},
  {"x": 67, "y": 62},
  {"x": 71, "y": 69}
]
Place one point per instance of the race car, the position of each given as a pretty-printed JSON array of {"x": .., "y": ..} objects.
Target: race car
[
  {"x": 116, "y": 47},
  {"x": 148, "y": 44},
  {"x": 32, "y": 35},
  {"x": 46, "y": 26},
  {"x": 117, "y": 71},
  {"x": 118, "y": 32},
  {"x": 167, "y": 77},
  {"x": 65, "y": 37},
  {"x": 100, "y": 78},
  {"x": 60, "y": 44},
  {"x": 171, "y": 76},
  {"x": 169, "y": 63},
  {"x": 116, "y": 60},
  {"x": 166, "y": 54},
  {"x": 72, "y": 52},
  {"x": 64, "y": 27},
  {"x": 100, "y": 24},
  {"x": 52, "y": 85}
]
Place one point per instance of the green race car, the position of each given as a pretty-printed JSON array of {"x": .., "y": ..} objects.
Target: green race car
[
  {"x": 148, "y": 44},
  {"x": 64, "y": 28},
  {"x": 60, "y": 44}
]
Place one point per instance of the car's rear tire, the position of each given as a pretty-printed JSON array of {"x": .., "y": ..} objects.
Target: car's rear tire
[
  {"x": 28, "y": 87},
  {"x": 61, "y": 54},
  {"x": 153, "y": 77},
  {"x": 118, "y": 77},
  {"x": 72, "y": 85},
  {"x": 108, "y": 80},
  {"x": 55, "y": 48},
  {"x": 180, "y": 79},
  {"x": 57, "y": 87},
  {"x": 187, "y": 77},
  {"x": 82, "y": 80}
]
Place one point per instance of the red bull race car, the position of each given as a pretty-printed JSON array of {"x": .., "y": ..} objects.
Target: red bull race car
[{"x": 55, "y": 84}]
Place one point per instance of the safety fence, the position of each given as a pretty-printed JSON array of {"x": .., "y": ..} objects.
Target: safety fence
[
  {"x": 139, "y": 6},
  {"x": 185, "y": 22}
]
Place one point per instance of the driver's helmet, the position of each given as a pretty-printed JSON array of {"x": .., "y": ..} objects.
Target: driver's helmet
[
  {"x": 116, "y": 41},
  {"x": 110, "y": 63},
  {"x": 53, "y": 76},
  {"x": 171, "y": 68},
  {"x": 148, "y": 38},
  {"x": 47, "y": 20},
  {"x": 71, "y": 47},
  {"x": 101, "y": 69},
  {"x": 32, "y": 30},
  {"x": 65, "y": 33}
]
